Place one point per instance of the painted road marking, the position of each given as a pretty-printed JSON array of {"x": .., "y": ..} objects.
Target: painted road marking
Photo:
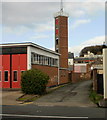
[{"x": 34, "y": 116}]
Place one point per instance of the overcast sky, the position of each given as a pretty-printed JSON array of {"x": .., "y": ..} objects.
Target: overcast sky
[{"x": 33, "y": 21}]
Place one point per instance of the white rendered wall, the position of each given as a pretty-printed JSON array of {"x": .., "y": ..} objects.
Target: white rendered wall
[
  {"x": 28, "y": 57},
  {"x": 40, "y": 52},
  {"x": 105, "y": 72},
  {"x": 43, "y": 52}
]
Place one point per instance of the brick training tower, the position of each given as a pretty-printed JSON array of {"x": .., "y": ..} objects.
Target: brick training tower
[{"x": 61, "y": 37}]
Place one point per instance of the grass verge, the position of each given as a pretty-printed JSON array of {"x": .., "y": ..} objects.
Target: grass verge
[
  {"x": 95, "y": 98},
  {"x": 30, "y": 98}
]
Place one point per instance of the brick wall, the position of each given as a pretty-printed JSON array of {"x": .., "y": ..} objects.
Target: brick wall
[
  {"x": 51, "y": 71},
  {"x": 62, "y": 36},
  {"x": 63, "y": 76},
  {"x": 76, "y": 77},
  {"x": 63, "y": 45}
]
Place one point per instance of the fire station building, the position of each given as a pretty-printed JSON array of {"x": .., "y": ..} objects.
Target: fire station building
[{"x": 19, "y": 57}]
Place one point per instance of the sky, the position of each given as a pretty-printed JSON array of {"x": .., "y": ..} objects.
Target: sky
[{"x": 33, "y": 21}]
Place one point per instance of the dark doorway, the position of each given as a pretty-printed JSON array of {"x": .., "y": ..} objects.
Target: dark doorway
[
  {"x": 70, "y": 76},
  {"x": 100, "y": 84}
]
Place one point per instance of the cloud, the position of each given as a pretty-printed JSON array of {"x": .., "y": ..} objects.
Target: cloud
[
  {"x": 53, "y": 0},
  {"x": 99, "y": 40},
  {"x": 86, "y": 7},
  {"x": 28, "y": 13},
  {"x": 39, "y": 15},
  {"x": 39, "y": 36},
  {"x": 48, "y": 26},
  {"x": 19, "y": 30},
  {"x": 80, "y": 22}
]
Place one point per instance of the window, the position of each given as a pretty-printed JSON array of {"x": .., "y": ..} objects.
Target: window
[
  {"x": 43, "y": 60},
  {"x": 56, "y": 41},
  {"x": 57, "y": 50},
  {"x": 0, "y": 76},
  {"x": 5, "y": 75},
  {"x": 15, "y": 75},
  {"x": 22, "y": 72},
  {"x": 32, "y": 58},
  {"x": 56, "y": 21},
  {"x": 57, "y": 31},
  {"x": 46, "y": 60}
]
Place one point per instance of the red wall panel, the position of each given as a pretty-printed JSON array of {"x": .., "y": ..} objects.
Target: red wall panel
[
  {"x": 6, "y": 67},
  {"x": 15, "y": 62},
  {"x": 1, "y": 70},
  {"x": 19, "y": 63}
]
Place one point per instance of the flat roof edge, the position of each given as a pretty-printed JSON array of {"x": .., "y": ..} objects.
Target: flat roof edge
[{"x": 29, "y": 44}]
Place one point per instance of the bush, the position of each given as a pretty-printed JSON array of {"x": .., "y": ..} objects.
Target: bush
[{"x": 34, "y": 82}]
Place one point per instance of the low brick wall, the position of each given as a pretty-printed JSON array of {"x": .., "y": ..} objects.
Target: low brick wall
[{"x": 76, "y": 77}]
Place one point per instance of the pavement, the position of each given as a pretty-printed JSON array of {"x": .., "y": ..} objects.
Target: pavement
[
  {"x": 69, "y": 95},
  {"x": 9, "y": 97}
]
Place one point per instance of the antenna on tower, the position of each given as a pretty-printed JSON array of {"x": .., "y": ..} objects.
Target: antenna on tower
[
  {"x": 61, "y": 12},
  {"x": 61, "y": 6}
]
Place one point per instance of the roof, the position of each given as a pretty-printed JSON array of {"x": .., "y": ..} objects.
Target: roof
[
  {"x": 84, "y": 58},
  {"x": 29, "y": 44},
  {"x": 70, "y": 55}
]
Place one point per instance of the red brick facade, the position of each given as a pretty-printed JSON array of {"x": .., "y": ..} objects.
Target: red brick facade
[
  {"x": 76, "y": 77},
  {"x": 62, "y": 45},
  {"x": 63, "y": 76},
  {"x": 51, "y": 71}
]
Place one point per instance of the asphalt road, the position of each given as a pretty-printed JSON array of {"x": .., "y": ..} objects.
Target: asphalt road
[
  {"x": 74, "y": 95},
  {"x": 69, "y": 102},
  {"x": 24, "y": 118},
  {"x": 30, "y": 111}
]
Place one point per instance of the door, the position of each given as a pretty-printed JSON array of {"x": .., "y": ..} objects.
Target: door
[
  {"x": 19, "y": 64},
  {"x": 10, "y": 70},
  {"x": 100, "y": 83}
]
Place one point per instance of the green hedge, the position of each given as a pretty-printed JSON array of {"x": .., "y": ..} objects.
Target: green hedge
[{"x": 34, "y": 82}]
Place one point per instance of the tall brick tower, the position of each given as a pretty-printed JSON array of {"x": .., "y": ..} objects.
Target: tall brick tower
[
  {"x": 61, "y": 43},
  {"x": 61, "y": 37}
]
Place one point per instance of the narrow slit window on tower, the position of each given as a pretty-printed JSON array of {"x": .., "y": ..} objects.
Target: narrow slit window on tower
[
  {"x": 56, "y": 41},
  {"x": 57, "y": 31},
  {"x": 56, "y": 21},
  {"x": 57, "y": 50}
]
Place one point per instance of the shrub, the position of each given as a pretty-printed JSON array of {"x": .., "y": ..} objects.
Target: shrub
[{"x": 34, "y": 82}]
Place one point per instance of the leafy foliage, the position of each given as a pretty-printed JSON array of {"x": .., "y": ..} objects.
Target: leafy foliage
[
  {"x": 95, "y": 97},
  {"x": 34, "y": 82}
]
